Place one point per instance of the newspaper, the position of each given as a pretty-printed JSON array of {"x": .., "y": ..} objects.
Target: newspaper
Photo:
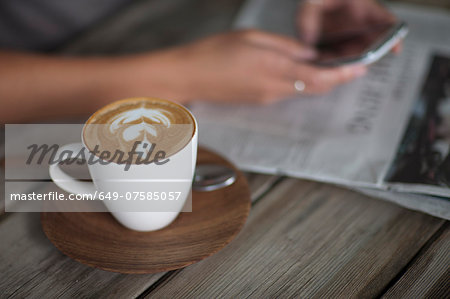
[{"x": 381, "y": 132}]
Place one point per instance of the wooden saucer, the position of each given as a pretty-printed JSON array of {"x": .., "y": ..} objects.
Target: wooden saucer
[{"x": 98, "y": 240}]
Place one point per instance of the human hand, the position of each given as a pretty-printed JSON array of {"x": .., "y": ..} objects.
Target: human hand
[
  {"x": 252, "y": 66},
  {"x": 320, "y": 18}
]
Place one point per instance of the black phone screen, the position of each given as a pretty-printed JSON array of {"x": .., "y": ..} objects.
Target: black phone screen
[{"x": 351, "y": 44}]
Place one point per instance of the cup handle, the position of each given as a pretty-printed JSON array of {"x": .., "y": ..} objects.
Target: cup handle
[{"x": 65, "y": 181}]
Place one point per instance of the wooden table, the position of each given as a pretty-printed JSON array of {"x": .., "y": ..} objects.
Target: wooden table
[{"x": 302, "y": 239}]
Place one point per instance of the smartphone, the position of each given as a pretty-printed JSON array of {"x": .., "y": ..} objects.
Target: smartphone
[{"x": 362, "y": 46}]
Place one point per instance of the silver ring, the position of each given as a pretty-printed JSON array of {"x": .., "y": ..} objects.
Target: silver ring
[{"x": 299, "y": 86}]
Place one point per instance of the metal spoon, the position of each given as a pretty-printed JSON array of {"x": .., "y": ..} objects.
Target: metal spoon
[{"x": 209, "y": 177}]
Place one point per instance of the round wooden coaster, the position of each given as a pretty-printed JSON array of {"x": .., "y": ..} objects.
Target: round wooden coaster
[{"x": 98, "y": 240}]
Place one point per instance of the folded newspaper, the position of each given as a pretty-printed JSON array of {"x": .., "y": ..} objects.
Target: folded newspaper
[{"x": 386, "y": 135}]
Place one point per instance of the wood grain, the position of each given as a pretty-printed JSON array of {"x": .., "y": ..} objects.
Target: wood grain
[
  {"x": 97, "y": 240},
  {"x": 308, "y": 239},
  {"x": 31, "y": 267},
  {"x": 429, "y": 275},
  {"x": 261, "y": 183}
]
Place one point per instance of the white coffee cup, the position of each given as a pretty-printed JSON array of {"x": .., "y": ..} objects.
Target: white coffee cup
[{"x": 111, "y": 178}]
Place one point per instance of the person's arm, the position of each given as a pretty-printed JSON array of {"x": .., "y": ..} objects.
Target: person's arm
[
  {"x": 34, "y": 86},
  {"x": 238, "y": 66}
]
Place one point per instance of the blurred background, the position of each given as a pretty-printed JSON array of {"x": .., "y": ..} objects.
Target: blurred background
[{"x": 143, "y": 25}]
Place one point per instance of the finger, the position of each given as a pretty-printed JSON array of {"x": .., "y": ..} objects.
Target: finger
[
  {"x": 328, "y": 78},
  {"x": 320, "y": 80},
  {"x": 379, "y": 14},
  {"x": 309, "y": 21},
  {"x": 282, "y": 44},
  {"x": 275, "y": 91},
  {"x": 312, "y": 80},
  {"x": 397, "y": 48}
]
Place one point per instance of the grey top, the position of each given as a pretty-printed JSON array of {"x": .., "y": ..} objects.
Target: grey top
[{"x": 42, "y": 25}]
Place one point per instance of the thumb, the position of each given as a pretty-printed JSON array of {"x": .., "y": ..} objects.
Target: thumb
[
  {"x": 283, "y": 44},
  {"x": 309, "y": 20}
]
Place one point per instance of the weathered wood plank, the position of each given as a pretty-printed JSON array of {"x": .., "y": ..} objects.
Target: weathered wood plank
[
  {"x": 308, "y": 239},
  {"x": 260, "y": 184},
  {"x": 429, "y": 274},
  {"x": 31, "y": 266}
]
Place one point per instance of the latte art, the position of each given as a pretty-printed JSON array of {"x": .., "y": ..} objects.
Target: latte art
[
  {"x": 153, "y": 125},
  {"x": 144, "y": 116},
  {"x": 140, "y": 124}
]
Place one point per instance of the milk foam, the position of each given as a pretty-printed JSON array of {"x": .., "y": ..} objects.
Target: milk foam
[
  {"x": 148, "y": 121},
  {"x": 153, "y": 116},
  {"x": 137, "y": 124}
]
